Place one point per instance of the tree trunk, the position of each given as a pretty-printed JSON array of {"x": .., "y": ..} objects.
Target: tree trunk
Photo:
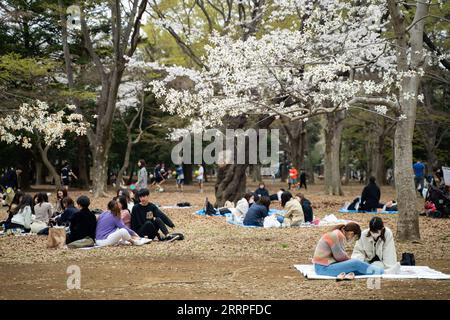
[
  {"x": 230, "y": 183},
  {"x": 333, "y": 134},
  {"x": 126, "y": 161},
  {"x": 408, "y": 222},
  {"x": 39, "y": 179},
  {"x": 100, "y": 165},
  {"x": 376, "y": 156},
  {"x": 51, "y": 169},
  {"x": 309, "y": 163},
  {"x": 256, "y": 172},
  {"x": 410, "y": 58},
  {"x": 187, "y": 170},
  {"x": 83, "y": 176}
]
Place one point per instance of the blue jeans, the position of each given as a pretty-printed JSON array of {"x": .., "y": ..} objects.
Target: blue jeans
[{"x": 351, "y": 265}]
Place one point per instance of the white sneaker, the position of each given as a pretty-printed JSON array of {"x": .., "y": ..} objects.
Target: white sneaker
[{"x": 393, "y": 270}]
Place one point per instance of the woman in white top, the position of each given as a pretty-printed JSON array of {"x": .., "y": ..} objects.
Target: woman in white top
[
  {"x": 376, "y": 245},
  {"x": 43, "y": 211},
  {"x": 23, "y": 218},
  {"x": 238, "y": 213},
  {"x": 294, "y": 212}
]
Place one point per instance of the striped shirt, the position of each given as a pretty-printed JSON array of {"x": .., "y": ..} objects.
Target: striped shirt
[{"x": 330, "y": 249}]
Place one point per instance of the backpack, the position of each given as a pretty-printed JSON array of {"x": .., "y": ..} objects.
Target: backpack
[
  {"x": 184, "y": 204},
  {"x": 408, "y": 259},
  {"x": 209, "y": 209}
]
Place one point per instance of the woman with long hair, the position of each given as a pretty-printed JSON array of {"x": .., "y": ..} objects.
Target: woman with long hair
[
  {"x": 111, "y": 230},
  {"x": 331, "y": 259},
  {"x": 376, "y": 245},
  {"x": 23, "y": 218}
]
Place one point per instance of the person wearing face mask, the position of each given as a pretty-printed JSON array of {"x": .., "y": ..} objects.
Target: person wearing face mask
[
  {"x": 331, "y": 259},
  {"x": 376, "y": 245}
]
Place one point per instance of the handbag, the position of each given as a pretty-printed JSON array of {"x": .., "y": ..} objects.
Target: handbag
[
  {"x": 271, "y": 222},
  {"x": 56, "y": 238},
  {"x": 408, "y": 259}
]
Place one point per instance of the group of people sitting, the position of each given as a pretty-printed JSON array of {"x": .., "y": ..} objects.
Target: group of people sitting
[
  {"x": 373, "y": 254},
  {"x": 125, "y": 218},
  {"x": 253, "y": 208}
]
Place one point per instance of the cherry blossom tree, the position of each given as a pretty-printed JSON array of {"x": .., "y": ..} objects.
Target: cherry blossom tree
[
  {"x": 334, "y": 56},
  {"x": 36, "y": 124}
]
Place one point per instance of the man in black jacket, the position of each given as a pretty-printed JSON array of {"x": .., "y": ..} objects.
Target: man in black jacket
[
  {"x": 370, "y": 198},
  {"x": 83, "y": 222},
  {"x": 147, "y": 219}
]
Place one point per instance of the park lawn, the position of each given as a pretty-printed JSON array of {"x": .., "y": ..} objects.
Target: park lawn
[{"x": 216, "y": 260}]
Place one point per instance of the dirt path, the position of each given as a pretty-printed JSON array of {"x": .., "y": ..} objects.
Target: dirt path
[{"x": 216, "y": 261}]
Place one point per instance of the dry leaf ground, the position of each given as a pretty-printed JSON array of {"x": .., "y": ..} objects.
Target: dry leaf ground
[{"x": 216, "y": 261}]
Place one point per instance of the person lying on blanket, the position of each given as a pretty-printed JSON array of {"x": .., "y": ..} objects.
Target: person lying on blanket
[
  {"x": 257, "y": 212},
  {"x": 330, "y": 258},
  {"x": 293, "y": 215},
  {"x": 376, "y": 245}
]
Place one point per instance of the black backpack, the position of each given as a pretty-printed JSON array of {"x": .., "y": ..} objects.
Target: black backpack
[
  {"x": 408, "y": 259},
  {"x": 209, "y": 208},
  {"x": 184, "y": 204}
]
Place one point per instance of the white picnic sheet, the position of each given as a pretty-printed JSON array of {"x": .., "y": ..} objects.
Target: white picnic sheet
[
  {"x": 406, "y": 272},
  {"x": 175, "y": 207}
]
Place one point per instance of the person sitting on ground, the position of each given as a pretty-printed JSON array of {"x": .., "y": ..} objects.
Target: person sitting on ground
[
  {"x": 83, "y": 223},
  {"x": 125, "y": 193},
  {"x": 147, "y": 219},
  {"x": 294, "y": 212},
  {"x": 257, "y": 212},
  {"x": 370, "y": 198},
  {"x": 262, "y": 191},
  {"x": 306, "y": 206},
  {"x": 23, "y": 218},
  {"x": 43, "y": 211},
  {"x": 242, "y": 206},
  {"x": 277, "y": 196},
  {"x": 331, "y": 259},
  {"x": 110, "y": 228},
  {"x": 376, "y": 245},
  {"x": 64, "y": 218},
  {"x": 125, "y": 214},
  {"x": 60, "y": 195},
  {"x": 13, "y": 207}
]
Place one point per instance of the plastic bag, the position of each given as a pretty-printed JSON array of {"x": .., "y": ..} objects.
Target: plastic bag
[{"x": 271, "y": 222}]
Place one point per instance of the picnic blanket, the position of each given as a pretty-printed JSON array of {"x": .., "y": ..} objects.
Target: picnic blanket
[
  {"x": 175, "y": 207},
  {"x": 343, "y": 210},
  {"x": 406, "y": 272},
  {"x": 328, "y": 220},
  {"x": 201, "y": 212}
]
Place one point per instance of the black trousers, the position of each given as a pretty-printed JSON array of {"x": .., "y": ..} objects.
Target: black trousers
[
  {"x": 303, "y": 183},
  {"x": 151, "y": 227}
]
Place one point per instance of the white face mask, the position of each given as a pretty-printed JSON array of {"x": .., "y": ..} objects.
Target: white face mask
[{"x": 375, "y": 235}]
